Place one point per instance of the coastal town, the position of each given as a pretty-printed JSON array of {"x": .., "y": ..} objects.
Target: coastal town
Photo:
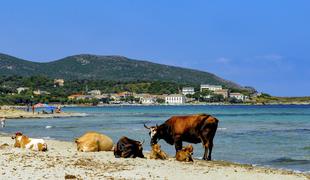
[{"x": 206, "y": 93}]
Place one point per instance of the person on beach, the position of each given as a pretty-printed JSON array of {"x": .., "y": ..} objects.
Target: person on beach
[
  {"x": 2, "y": 121},
  {"x": 32, "y": 109}
]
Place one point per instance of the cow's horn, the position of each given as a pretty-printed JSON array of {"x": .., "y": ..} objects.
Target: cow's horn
[
  {"x": 142, "y": 142},
  {"x": 146, "y": 126}
]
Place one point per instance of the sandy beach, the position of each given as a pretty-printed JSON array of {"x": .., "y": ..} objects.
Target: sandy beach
[
  {"x": 20, "y": 114},
  {"x": 62, "y": 161}
]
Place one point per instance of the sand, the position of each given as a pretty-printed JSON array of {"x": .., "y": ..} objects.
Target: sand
[
  {"x": 20, "y": 114},
  {"x": 62, "y": 161}
]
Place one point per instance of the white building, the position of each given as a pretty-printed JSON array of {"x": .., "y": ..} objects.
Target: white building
[
  {"x": 238, "y": 96},
  {"x": 175, "y": 99},
  {"x": 148, "y": 100},
  {"x": 188, "y": 90},
  {"x": 39, "y": 92},
  {"x": 59, "y": 82},
  {"x": 210, "y": 87},
  {"x": 94, "y": 92},
  {"x": 21, "y": 89}
]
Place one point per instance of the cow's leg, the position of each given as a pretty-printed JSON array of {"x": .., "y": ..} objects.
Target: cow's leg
[
  {"x": 178, "y": 144},
  {"x": 206, "y": 146},
  {"x": 205, "y": 138},
  {"x": 210, "y": 150}
]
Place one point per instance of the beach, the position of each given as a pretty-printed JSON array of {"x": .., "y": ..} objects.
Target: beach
[
  {"x": 20, "y": 114},
  {"x": 63, "y": 161}
]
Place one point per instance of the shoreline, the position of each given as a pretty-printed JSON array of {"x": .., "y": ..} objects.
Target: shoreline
[
  {"x": 62, "y": 159},
  {"x": 186, "y": 104},
  {"x": 20, "y": 114}
]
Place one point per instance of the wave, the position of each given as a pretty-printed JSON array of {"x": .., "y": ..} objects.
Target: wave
[
  {"x": 48, "y": 138},
  {"x": 289, "y": 161},
  {"x": 48, "y": 127}
]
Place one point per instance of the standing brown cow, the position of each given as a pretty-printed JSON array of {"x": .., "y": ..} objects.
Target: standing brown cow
[{"x": 191, "y": 128}]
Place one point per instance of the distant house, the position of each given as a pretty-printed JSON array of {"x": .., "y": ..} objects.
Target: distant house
[
  {"x": 209, "y": 87},
  {"x": 125, "y": 94},
  {"x": 223, "y": 92},
  {"x": 39, "y": 92},
  {"x": 148, "y": 100},
  {"x": 21, "y": 89},
  {"x": 74, "y": 96},
  {"x": 238, "y": 96},
  {"x": 59, "y": 82},
  {"x": 85, "y": 97},
  {"x": 94, "y": 92},
  {"x": 175, "y": 99},
  {"x": 188, "y": 90}
]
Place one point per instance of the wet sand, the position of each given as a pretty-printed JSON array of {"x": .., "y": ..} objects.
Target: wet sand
[{"x": 62, "y": 161}]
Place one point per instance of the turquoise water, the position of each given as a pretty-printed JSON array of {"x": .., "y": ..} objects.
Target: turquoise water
[{"x": 275, "y": 136}]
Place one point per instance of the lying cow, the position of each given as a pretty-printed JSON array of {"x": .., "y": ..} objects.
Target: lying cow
[
  {"x": 185, "y": 154},
  {"x": 192, "y": 129},
  {"x": 157, "y": 153},
  {"x": 22, "y": 141},
  {"x": 93, "y": 142},
  {"x": 128, "y": 148}
]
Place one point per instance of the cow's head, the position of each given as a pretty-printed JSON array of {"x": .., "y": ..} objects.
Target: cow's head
[
  {"x": 153, "y": 133},
  {"x": 140, "y": 150},
  {"x": 189, "y": 149},
  {"x": 16, "y": 135}
]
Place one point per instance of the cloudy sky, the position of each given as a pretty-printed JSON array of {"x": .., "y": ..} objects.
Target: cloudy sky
[{"x": 259, "y": 43}]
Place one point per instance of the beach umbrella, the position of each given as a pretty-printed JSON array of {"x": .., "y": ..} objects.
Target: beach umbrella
[{"x": 40, "y": 105}]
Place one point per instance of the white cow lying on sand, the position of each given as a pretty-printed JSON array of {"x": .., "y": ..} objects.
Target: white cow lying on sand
[{"x": 22, "y": 141}]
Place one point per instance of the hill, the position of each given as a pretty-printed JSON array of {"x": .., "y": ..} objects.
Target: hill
[{"x": 115, "y": 68}]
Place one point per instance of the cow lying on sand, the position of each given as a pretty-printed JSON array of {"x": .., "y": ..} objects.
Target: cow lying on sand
[
  {"x": 157, "y": 153},
  {"x": 22, "y": 141},
  {"x": 93, "y": 142},
  {"x": 192, "y": 129},
  {"x": 128, "y": 148},
  {"x": 185, "y": 154}
]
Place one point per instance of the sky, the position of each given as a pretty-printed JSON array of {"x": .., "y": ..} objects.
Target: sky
[{"x": 259, "y": 43}]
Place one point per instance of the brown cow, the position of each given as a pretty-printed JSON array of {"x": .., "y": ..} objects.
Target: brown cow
[
  {"x": 157, "y": 153},
  {"x": 93, "y": 142},
  {"x": 191, "y": 128},
  {"x": 128, "y": 148},
  {"x": 185, "y": 154}
]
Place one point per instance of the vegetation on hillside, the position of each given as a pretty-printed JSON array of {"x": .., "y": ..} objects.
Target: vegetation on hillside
[
  {"x": 109, "y": 68},
  {"x": 9, "y": 84}
]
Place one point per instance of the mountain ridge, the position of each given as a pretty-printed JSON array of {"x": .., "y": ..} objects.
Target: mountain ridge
[{"x": 110, "y": 67}]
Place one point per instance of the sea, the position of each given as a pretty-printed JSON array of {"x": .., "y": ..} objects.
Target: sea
[{"x": 275, "y": 136}]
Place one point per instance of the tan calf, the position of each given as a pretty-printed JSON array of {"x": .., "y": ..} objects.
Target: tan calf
[
  {"x": 157, "y": 153},
  {"x": 93, "y": 141},
  {"x": 185, "y": 154}
]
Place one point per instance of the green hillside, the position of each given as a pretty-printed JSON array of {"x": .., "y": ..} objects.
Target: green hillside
[{"x": 115, "y": 68}]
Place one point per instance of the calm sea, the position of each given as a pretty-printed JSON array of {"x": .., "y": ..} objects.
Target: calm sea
[{"x": 275, "y": 136}]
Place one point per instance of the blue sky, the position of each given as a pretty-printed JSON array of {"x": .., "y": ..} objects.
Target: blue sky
[{"x": 259, "y": 43}]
